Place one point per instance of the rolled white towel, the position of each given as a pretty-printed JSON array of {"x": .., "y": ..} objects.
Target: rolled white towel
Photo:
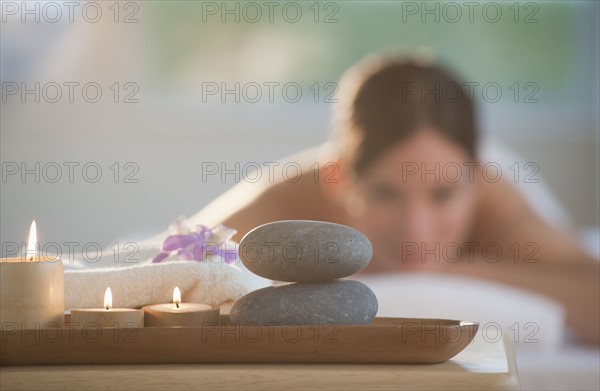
[{"x": 210, "y": 282}]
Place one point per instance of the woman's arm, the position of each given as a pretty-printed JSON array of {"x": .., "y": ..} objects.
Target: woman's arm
[
  {"x": 573, "y": 286},
  {"x": 536, "y": 257}
]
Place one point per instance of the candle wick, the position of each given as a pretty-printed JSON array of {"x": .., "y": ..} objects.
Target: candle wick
[{"x": 177, "y": 304}]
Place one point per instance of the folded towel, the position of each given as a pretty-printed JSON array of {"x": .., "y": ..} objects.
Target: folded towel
[{"x": 210, "y": 281}]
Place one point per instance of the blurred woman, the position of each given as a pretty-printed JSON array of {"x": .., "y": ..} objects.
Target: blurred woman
[{"x": 404, "y": 170}]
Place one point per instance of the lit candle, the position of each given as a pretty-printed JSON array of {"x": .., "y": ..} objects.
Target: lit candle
[
  {"x": 31, "y": 289},
  {"x": 180, "y": 314},
  {"x": 107, "y": 316}
]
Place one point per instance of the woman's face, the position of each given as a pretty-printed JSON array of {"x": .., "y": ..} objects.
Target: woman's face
[{"x": 415, "y": 203}]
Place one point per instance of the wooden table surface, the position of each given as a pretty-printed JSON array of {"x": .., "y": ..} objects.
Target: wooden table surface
[{"x": 482, "y": 365}]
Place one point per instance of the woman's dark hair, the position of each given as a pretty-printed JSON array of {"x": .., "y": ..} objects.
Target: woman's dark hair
[{"x": 385, "y": 100}]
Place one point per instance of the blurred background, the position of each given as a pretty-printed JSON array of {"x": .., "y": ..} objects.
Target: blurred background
[
  {"x": 158, "y": 118},
  {"x": 111, "y": 113}
]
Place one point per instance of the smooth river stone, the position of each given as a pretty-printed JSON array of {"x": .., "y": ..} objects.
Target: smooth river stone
[
  {"x": 305, "y": 251},
  {"x": 341, "y": 302}
]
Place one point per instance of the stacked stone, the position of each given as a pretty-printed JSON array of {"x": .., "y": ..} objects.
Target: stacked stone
[{"x": 314, "y": 257}]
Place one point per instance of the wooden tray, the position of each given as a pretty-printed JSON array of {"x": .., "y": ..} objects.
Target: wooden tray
[{"x": 384, "y": 341}]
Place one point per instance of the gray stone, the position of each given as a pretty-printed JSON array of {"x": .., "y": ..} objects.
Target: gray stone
[
  {"x": 305, "y": 251},
  {"x": 341, "y": 302}
]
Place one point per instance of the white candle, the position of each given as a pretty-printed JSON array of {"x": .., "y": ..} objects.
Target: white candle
[
  {"x": 31, "y": 289},
  {"x": 180, "y": 314},
  {"x": 107, "y": 316}
]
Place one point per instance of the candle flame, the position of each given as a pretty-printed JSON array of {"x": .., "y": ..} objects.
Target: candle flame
[
  {"x": 176, "y": 296},
  {"x": 31, "y": 244},
  {"x": 108, "y": 299}
]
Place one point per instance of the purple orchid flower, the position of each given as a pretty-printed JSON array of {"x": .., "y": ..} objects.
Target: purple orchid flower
[{"x": 197, "y": 245}]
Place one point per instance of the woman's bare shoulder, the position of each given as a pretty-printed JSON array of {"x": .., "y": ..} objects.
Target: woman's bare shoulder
[
  {"x": 500, "y": 206},
  {"x": 285, "y": 190},
  {"x": 505, "y": 217}
]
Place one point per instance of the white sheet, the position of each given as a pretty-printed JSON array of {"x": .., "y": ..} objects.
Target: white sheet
[{"x": 551, "y": 363}]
